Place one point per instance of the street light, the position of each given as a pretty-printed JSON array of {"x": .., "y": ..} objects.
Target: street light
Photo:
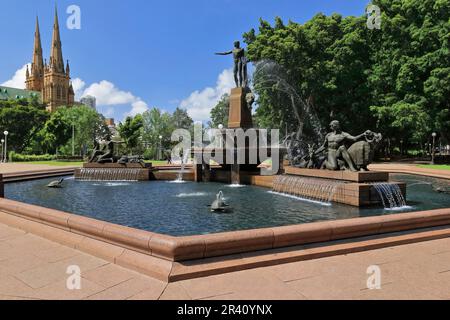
[
  {"x": 73, "y": 136},
  {"x": 3, "y": 148},
  {"x": 6, "y": 145},
  {"x": 433, "y": 150},
  {"x": 160, "y": 148}
]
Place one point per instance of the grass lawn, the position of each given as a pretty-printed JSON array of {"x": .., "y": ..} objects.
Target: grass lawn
[
  {"x": 435, "y": 166},
  {"x": 79, "y": 163}
]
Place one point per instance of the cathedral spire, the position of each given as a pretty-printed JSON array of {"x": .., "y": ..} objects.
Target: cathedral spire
[
  {"x": 37, "y": 67},
  {"x": 67, "y": 69},
  {"x": 56, "y": 57}
]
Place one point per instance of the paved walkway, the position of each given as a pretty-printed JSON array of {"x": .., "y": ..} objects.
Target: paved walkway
[
  {"x": 35, "y": 268},
  {"x": 410, "y": 168},
  {"x": 23, "y": 167}
]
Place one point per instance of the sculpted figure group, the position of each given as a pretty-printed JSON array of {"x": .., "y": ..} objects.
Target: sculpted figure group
[
  {"x": 105, "y": 154},
  {"x": 339, "y": 151}
]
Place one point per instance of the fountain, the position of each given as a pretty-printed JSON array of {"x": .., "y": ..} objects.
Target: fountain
[
  {"x": 242, "y": 145},
  {"x": 333, "y": 166},
  {"x": 104, "y": 166},
  {"x": 184, "y": 161},
  {"x": 219, "y": 204},
  {"x": 391, "y": 195},
  {"x": 322, "y": 190}
]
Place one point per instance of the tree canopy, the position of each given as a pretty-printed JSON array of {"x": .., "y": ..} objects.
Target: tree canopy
[
  {"x": 395, "y": 80},
  {"x": 22, "y": 121}
]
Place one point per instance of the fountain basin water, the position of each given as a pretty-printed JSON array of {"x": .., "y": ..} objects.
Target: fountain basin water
[{"x": 182, "y": 209}]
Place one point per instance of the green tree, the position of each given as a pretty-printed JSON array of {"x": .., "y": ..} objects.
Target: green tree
[
  {"x": 55, "y": 134},
  {"x": 157, "y": 124},
  {"x": 88, "y": 125},
  {"x": 219, "y": 114},
  {"x": 131, "y": 131},
  {"x": 395, "y": 80},
  {"x": 23, "y": 123},
  {"x": 181, "y": 119}
]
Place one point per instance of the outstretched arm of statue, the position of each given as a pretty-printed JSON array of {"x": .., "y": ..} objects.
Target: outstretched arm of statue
[
  {"x": 354, "y": 139},
  {"x": 224, "y": 53}
]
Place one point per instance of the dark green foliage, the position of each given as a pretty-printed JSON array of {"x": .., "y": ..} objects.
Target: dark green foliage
[
  {"x": 395, "y": 80},
  {"x": 130, "y": 131},
  {"x": 22, "y": 121},
  {"x": 219, "y": 114}
]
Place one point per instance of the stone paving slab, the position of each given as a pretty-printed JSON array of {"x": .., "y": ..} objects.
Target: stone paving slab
[
  {"x": 35, "y": 268},
  {"x": 6, "y": 168}
]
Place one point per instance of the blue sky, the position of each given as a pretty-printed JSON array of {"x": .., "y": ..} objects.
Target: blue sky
[{"x": 135, "y": 54}]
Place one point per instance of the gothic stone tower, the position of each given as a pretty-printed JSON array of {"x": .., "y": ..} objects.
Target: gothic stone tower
[
  {"x": 54, "y": 82},
  {"x": 35, "y": 79}
]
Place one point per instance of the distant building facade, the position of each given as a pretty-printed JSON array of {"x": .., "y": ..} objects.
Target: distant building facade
[
  {"x": 89, "y": 101},
  {"x": 51, "y": 79}
]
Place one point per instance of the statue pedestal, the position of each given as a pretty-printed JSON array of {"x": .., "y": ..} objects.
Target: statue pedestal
[
  {"x": 239, "y": 116},
  {"x": 114, "y": 172}
]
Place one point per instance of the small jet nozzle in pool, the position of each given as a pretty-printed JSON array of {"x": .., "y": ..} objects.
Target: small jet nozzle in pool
[
  {"x": 219, "y": 204},
  {"x": 56, "y": 184}
]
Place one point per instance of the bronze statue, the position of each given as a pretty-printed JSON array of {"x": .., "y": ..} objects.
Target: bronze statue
[
  {"x": 333, "y": 154},
  {"x": 240, "y": 65},
  {"x": 108, "y": 156},
  {"x": 335, "y": 145},
  {"x": 362, "y": 152},
  {"x": 97, "y": 152}
]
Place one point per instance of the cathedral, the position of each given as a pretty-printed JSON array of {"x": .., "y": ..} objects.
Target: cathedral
[{"x": 51, "y": 79}]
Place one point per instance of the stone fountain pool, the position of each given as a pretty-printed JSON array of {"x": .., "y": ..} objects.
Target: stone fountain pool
[{"x": 182, "y": 209}]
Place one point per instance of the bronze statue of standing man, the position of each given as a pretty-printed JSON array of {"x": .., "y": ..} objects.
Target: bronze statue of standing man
[{"x": 240, "y": 64}]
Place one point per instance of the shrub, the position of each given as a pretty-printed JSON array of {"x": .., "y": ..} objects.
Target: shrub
[{"x": 17, "y": 157}]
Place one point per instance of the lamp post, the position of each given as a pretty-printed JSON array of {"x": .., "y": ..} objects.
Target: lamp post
[
  {"x": 3, "y": 148},
  {"x": 73, "y": 137},
  {"x": 433, "y": 151},
  {"x": 6, "y": 145},
  {"x": 160, "y": 148}
]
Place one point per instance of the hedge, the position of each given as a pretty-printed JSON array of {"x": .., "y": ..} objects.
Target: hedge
[{"x": 17, "y": 157}]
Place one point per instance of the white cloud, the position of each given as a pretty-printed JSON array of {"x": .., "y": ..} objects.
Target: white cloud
[
  {"x": 18, "y": 80},
  {"x": 107, "y": 94},
  {"x": 78, "y": 86},
  {"x": 138, "y": 107},
  {"x": 200, "y": 103}
]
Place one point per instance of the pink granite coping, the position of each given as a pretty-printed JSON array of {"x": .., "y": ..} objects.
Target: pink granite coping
[
  {"x": 219, "y": 244},
  {"x": 157, "y": 255},
  {"x": 342, "y": 175}
]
